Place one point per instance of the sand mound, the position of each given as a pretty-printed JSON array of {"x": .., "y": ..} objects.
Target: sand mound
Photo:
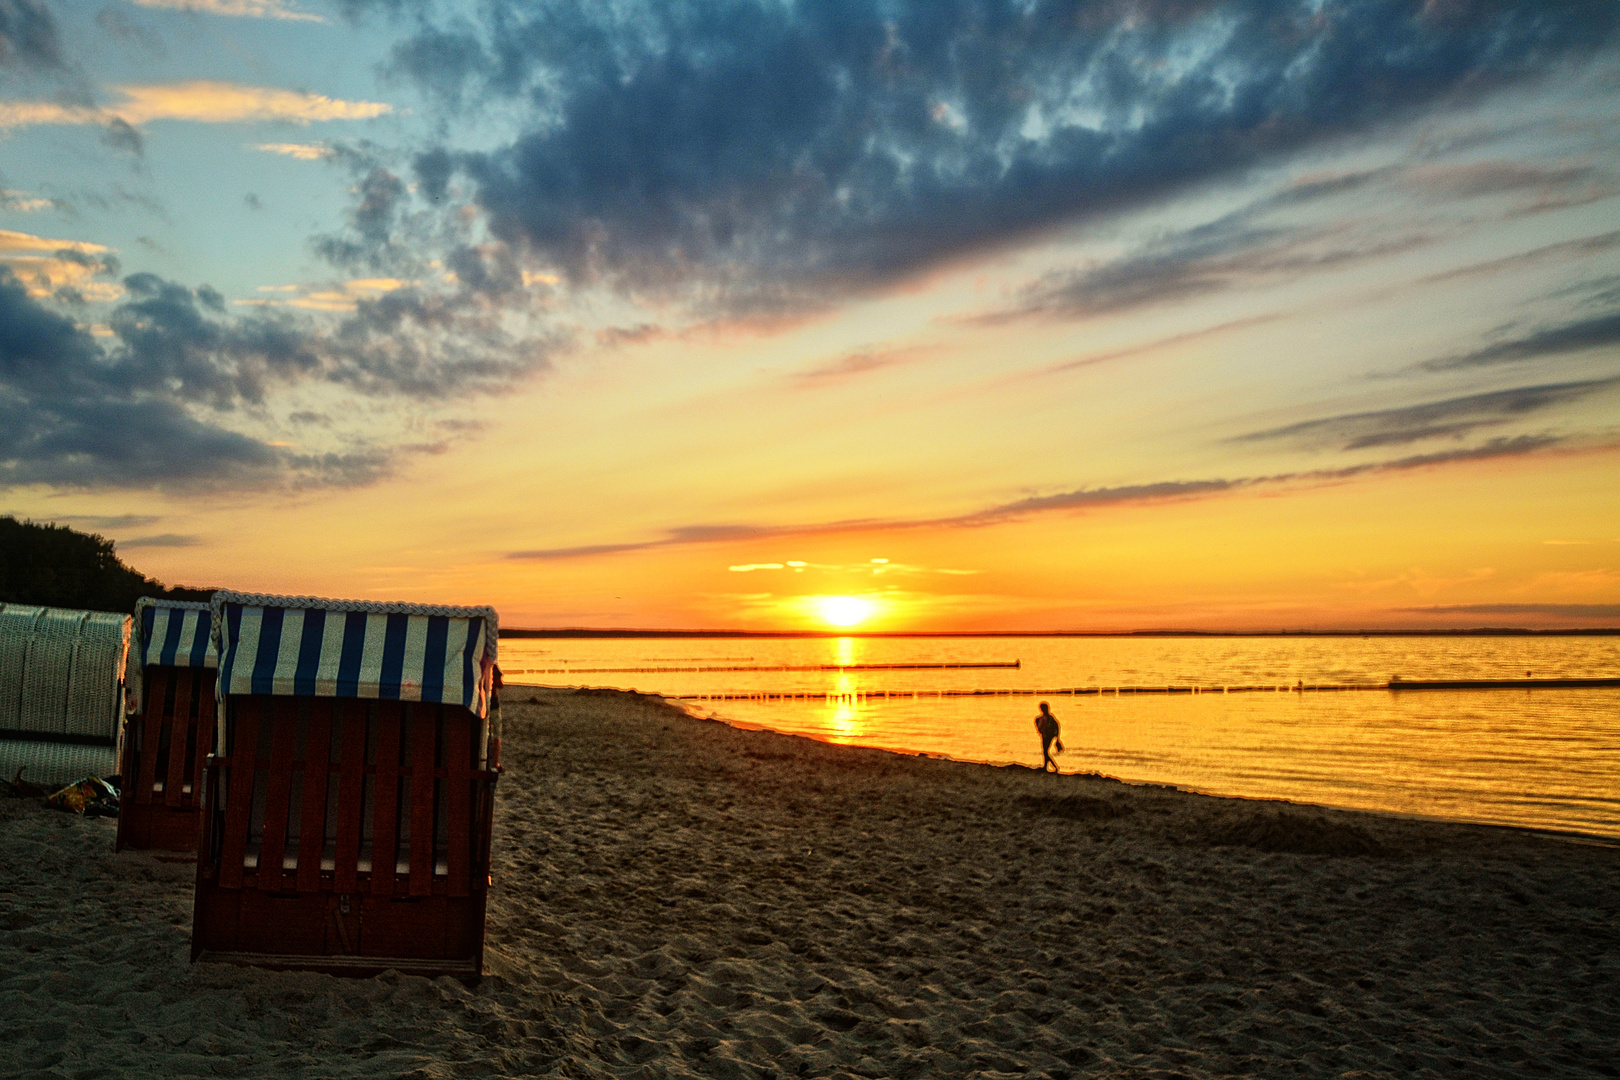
[
  {"x": 1296, "y": 833},
  {"x": 1074, "y": 807}
]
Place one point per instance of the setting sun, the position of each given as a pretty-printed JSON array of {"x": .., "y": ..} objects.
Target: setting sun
[{"x": 844, "y": 610}]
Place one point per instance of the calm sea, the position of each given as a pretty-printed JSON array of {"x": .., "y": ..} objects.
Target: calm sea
[{"x": 1545, "y": 758}]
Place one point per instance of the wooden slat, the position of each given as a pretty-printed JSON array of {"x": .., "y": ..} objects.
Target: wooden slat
[
  {"x": 174, "y": 792},
  {"x": 385, "y": 810},
  {"x": 278, "y": 795},
  {"x": 157, "y": 689},
  {"x": 205, "y": 731},
  {"x": 351, "y": 793},
  {"x": 458, "y": 794},
  {"x": 312, "y": 819},
  {"x": 238, "y": 772},
  {"x": 424, "y": 741}
]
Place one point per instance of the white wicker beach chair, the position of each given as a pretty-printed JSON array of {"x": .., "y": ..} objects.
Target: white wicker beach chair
[{"x": 61, "y": 692}]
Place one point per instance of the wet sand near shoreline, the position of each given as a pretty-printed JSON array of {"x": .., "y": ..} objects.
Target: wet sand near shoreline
[{"x": 674, "y": 897}]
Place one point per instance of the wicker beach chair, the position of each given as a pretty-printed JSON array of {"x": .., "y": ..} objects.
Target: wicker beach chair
[
  {"x": 170, "y": 685},
  {"x": 347, "y": 808},
  {"x": 61, "y": 692}
]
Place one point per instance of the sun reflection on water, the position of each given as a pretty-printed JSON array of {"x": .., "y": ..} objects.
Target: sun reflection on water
[{"x": 844, "y": 721}]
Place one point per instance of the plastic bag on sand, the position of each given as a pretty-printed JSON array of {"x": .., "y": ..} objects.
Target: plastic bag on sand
[{"x": 92, "y": 796}]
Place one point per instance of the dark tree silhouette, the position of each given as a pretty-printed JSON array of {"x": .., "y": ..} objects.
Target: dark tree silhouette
[{"x": 55, "y": 566}]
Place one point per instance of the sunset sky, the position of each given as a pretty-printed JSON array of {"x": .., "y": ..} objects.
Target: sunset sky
[{"x": 1104, "y": 315}]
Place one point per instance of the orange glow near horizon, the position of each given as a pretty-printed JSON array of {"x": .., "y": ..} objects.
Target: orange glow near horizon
[{"x": 1427, "y": 547}]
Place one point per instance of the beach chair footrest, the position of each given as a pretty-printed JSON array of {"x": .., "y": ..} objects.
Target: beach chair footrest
[{"x": 468, "y": 971}]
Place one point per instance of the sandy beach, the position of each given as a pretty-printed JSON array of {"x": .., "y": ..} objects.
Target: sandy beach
[{"x": 674, "y": 897}]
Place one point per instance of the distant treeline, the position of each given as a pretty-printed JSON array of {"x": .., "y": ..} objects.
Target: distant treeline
[{"x": 55, "y": 566}]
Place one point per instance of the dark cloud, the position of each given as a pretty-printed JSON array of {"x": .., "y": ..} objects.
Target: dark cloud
[
  {"x": 1563, "y": 611},
  {"x": 28, "y": 37},
  {"x": 1598, "y": 332},
  {"x": 149, "y": 407},
  {"x": 370, "y": 245},
  {"x": 162, "y": 540},
  {"x": 1069, "y": 501},
  {"x": 67, "y": 417},
  {"x": 70, "y": 441},
  {"x": 445, "y": 61},
  {"x": 769, "y": 154},
  {"x": 172, "y": 340},
  {"x": 432, "y": 346},
  {"x": 1449, "y": 418}
]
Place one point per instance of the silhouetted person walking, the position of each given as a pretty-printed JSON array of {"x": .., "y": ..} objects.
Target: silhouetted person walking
[{"x": 1047, "y": 725}]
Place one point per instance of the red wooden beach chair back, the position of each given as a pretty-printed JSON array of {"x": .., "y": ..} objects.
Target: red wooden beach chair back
[
  {"x": 346, "y": 834},
  {"x": 165, "y": 747},
  {"x": 166, "y": 741}
]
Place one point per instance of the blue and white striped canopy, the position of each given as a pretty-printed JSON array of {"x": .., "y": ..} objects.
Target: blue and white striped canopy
[
  {"x": 173, "y": 632},
  {"x": 299, "y": 645}
]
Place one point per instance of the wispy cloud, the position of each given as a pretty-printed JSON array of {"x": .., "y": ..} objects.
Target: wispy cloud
[
  {"x": 1598, "y": 332},
  {"x": 1266, "y": 242},
  {"x": 871, "y": 567},
  {"x": 25, "y": 203},
  {"x": 859, "y": 362},
  {"x": 1448, "y": 418},
  {"x": 242, "y": 9},
  {"x": 1568, "y": 249},
  {"x": 1563, "y": 611},
  {"x": 346, "y": 296},
  {"x": 198, "y": 101},
  {"x": 15, "y": 243},
  {"x": 46, "y": 266},
  {"x": 1079, "y": 500},
  {"x": 1478, "y": 179},
  {"x": 1146, "y": 347},
  {"x": 1242, "y": 250},
  {"x": 162, "y": 540},
  {"x": 301, "y": 151}
]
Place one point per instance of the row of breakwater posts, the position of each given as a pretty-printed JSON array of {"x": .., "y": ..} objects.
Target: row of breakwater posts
[
  {"x": 754, "y": 667},
  {"x": 1395, "y": 684}
]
